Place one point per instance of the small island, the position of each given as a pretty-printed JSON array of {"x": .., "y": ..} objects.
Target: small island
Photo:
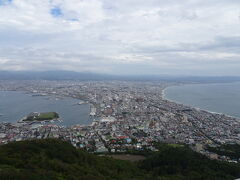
[{"x": 39, "y": 117}]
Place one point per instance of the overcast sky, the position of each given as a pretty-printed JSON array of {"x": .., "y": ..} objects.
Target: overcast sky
[{"x": 176, "y": 37}]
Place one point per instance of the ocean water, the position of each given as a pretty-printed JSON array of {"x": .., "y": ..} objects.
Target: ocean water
[
  {"x": 220, "y": 97},
  {"x": 15, "y": 105}
]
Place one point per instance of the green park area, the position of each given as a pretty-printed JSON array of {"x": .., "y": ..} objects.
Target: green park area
[{"x": 46, "y": 116}]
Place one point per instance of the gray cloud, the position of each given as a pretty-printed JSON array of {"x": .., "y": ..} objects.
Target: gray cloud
[{"x": 122, "y": 37}]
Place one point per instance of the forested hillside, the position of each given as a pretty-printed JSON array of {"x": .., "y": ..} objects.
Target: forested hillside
[{"x": 55, "y": 159}]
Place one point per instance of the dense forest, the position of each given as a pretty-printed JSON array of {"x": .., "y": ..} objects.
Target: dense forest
[
  {"x": 230, "y": 150},
  {"x": 56, "y": 159}
]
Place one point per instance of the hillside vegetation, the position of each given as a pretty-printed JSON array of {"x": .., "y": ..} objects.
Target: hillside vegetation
[{"x": 55, "y": 159}]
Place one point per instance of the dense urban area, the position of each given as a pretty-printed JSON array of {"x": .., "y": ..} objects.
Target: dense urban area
[{"x": 125, "y": 116}]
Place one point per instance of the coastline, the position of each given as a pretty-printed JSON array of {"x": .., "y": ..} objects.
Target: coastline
[
  {"x": 163, "y": 95},
  {"x": 51, "y": 97}
]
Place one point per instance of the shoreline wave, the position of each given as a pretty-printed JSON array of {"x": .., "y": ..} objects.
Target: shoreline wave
[{"x": 164, "y": 97}]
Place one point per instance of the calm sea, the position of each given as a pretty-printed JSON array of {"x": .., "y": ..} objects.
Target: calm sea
[
  {"x": 15, "y": 105},
  {"x": 221, "y": 98}
]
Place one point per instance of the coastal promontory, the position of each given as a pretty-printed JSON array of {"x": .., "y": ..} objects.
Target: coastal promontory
[{"x": 37, "y": 116}]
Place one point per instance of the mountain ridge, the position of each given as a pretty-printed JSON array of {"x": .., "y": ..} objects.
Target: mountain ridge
[{"x": 84, "y": 76}]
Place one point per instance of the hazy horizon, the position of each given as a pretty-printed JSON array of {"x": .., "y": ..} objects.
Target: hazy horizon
[
  {"x": 53, "y": 71},
  {"x": 85, "y": 76}
]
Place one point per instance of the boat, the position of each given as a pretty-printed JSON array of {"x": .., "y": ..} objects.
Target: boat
[{"x": 82, "y": 102}]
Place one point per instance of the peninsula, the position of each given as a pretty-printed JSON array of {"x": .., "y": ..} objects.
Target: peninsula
[{"x": 38, "y": 117}]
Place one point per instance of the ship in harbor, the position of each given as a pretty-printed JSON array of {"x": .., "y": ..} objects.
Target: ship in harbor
[{"x": 82, "y": 102}]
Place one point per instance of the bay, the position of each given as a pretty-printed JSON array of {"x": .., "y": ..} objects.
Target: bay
[
  {"x": 15, "y": 105},
  {"x": 221, "y": 97}
]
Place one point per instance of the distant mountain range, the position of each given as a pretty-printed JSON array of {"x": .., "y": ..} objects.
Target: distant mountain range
[{"x": 71, "y": 75}]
